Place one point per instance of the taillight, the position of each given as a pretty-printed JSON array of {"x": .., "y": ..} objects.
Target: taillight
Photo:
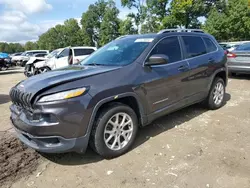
[{"x": 231, "y": 55}]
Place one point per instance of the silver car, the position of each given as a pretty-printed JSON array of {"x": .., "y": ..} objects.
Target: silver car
[{"x": 239, "y": 59}]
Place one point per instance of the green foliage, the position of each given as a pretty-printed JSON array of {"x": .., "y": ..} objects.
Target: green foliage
[
  {"x": 91, "y": 23},
  {"x": 140, "y": 15},
  {"x": 225, "y": 19},
  {"x": 11, "y": 47},
  {"x": 232, "y": 24},
  {"x": 110, "y": 24},
  {"x": 126, "y": 27},
  {"x": 30, "y": 45}
]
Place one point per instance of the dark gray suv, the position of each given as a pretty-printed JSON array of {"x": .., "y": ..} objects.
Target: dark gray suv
[{"x": 126, "y": 84}]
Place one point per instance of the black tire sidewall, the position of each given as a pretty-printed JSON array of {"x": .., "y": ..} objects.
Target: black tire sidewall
[
  {"x": 211, "y": 103},
  {"x": 99, "y": 142}
]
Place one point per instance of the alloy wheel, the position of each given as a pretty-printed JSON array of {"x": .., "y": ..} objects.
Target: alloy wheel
[
  {"x": 218, "y": 93},
  {"x": 118, "y": 131}
]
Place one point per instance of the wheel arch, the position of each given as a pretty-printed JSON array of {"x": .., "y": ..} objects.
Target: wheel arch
[
  {"x": 130, "y": 99},
  {"x": 222, "y": 73}
]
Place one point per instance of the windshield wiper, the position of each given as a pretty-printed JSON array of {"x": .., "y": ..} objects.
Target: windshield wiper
[{"x": 94, "y": 64}]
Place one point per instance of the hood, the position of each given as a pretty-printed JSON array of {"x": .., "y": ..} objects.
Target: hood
[
  {"x": 32, "y": 59},
  {"x": 59, "y": 76}
]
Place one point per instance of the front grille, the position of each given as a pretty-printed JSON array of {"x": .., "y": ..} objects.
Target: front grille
[{"x": 20, "y": 98}]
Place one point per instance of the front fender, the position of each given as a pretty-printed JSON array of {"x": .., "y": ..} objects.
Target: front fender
[
  {"x": 40, "y": 64},
  {"x": 114, "y": 98}
]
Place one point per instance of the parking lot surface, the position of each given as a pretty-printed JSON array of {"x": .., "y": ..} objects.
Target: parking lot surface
[{"x": 191, "y": 148}]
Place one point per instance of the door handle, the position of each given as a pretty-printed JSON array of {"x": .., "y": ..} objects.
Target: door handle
[{"x": 183, "y": 68}]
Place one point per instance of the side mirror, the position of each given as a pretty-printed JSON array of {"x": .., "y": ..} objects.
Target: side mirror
[{"x": 157, "y": 59}]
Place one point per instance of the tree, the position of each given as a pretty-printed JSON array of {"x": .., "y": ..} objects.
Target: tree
[
  {"x": 91, "y": 23},
  {"x": 155, "y": 13},
  {"x": 232, "y": 24},
  {"x": 110, "y": 24},
  {"x": 127, "y": 27},
  {"x": 140, "y": 15},
  {"x": 186, "y": 13},
  {"x": 70, "y": 31},
  {"x": 216, "y": 25},
  {"x": 157, "y": 8},
  {"x": 30, "y": 46}
]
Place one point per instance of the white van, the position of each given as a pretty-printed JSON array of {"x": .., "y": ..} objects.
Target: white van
[{"x": 68, "y": 56}]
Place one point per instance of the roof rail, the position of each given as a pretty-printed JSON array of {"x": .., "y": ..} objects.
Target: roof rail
[
  {"x": 180, "y": 30},
  {"x": 120, "y": 37}
]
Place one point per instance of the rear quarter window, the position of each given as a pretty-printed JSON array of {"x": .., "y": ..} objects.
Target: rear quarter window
[
  {"x": 81, "y": 52},
  {"x": 211, "y": 47},
  {"x": 194, "y": 46}
]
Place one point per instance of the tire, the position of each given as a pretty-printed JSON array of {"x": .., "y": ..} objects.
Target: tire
[
  {"x": 42, "y": 70},
  {"x": 211, "y": 100},
  {"x": 101, "y": 129},
  {"x": 4, "y": 68}
]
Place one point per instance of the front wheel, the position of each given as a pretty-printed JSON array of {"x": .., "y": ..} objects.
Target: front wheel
[
  {"x": 42, "y": 70},
  {"x": 216, "y": 95},
  {"x": 114, "y": 131}
]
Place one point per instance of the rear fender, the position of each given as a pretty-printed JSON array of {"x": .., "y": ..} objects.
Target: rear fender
[{"x": 223, "y": 69}]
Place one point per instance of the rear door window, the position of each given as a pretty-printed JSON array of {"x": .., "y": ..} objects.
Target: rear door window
[
  {"x": 81, "y": 52},
  {"x": 194, "y": 46},
  {"x": 170, "y": 47},
  {"x": 211, "y": 47}
]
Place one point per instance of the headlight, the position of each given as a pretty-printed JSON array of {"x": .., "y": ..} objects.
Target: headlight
[
  {"x": 6, "y": 59},
  {"x": 63, "y": 95}
]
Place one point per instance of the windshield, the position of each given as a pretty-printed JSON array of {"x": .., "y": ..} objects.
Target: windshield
[
  {"x": 53, "y": 53},
  {"x": 118, "y": 52},
  {"x": 23, "y": 54}
]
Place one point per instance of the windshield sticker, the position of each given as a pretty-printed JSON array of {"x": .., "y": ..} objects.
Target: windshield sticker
[{"x": 144, "y": 40}]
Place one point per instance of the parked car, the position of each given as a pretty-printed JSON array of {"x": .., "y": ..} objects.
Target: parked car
[
  {"x": 128, "y": 83},
  {"x": 68, "y": 56},
  {"x": 15, "y": 54},
  {"x": 24, "y": 57},
  {"x": 15, "y": 57},
  {"x": 5, "y": 61},
  {"x": 239, "y": 59},
  {"x": 30, "y": 68},
  {"x": 229, "y": 47}
]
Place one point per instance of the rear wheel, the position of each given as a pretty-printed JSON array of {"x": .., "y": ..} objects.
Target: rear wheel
[
  {"x": 216, "y": 95},
  {"x": 114, "y": 131}
]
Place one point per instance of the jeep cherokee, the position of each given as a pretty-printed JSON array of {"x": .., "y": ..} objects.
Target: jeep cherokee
[{"x": 128, "y": 83}]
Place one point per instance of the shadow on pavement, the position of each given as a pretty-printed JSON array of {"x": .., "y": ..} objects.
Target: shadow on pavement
[
  {"x": 157, "y": 127},
  {"x": 241, "y": 76},
  {"x": 4, "y": 98},
  {"x": 12, "y": 70}
]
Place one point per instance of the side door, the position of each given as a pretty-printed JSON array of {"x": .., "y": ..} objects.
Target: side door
[
  {"x": 166, "y": 84},
  {"x": 62, "y": 59},
  {"x": 199, "y": 61}
]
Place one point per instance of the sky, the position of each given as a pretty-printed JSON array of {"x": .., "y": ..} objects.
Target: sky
[{"x": 25, "y": 20}]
